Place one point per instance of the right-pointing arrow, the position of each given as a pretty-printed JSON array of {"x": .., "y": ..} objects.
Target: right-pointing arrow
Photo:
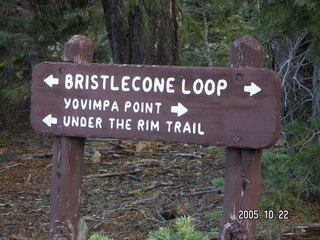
[
  {"x": 252, "y": 89},
  {"x": 179, "y": 110},
  {"x": 49, "y": 120},
  {"x": 50, "y": 80}
]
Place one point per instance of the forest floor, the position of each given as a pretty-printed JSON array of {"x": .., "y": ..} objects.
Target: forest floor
[{"x": 148, "y": 186}]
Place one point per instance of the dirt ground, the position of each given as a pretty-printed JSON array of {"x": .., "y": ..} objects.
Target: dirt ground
[{"x": 148, "y": 186}]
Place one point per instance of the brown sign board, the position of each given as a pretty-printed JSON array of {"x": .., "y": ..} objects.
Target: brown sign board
[{"x": 234, "y": 107}]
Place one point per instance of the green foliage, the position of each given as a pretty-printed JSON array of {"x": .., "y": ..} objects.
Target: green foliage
[
  {"x": 303, "y": 143},
  {"x": 226, "y": 22},
  {"x": 301, "y": 134},
  {"x": 30, "y": 35},
  {"x": 11, "y": 156},
  {"x": 289, "y": 173},
  {"x": 218, "y": 182},
  {"x": 281, "y": 185},
  {"x": 12, "y": 98},
  {"x": 183, "y": 229},
  {"x": 215, "y": 214},
  {"x": 215, "y": 218},
  {"x": 99, "y": 236},
  {"x": 287, "y": 180},
  {"x": 289, "y": 19}
]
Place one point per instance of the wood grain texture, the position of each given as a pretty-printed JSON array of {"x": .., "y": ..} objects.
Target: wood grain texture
[
  {"x": 243, "y": 180},
  {"x": 233, "y": 119},
  {"x": 67, "y": 164}
]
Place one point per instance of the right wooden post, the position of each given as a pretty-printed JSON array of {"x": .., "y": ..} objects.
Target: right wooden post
[{"x": 243, "y": 182}]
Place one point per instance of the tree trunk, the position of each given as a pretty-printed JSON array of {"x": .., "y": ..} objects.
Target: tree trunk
[
  {"x": 142, "y": 33},
  {"x": 316, "y": 89},
  {"x": 27, "y": 11},
  {"x": 206, "y": 35}
]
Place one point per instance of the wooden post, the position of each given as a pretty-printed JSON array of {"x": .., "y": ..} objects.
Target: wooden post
[
  {"x": 243, "y": 169},
  {"x": 67, "y": 165}
]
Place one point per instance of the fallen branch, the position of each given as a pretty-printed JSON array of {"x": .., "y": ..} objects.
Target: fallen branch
[
  {"x": 305, "y": 231},
  {"x": 103, "y": 175},
  {"x": 8, "y": 167},
  {"x": 196, "y": 193},
  {"x": 142, "y": 201}
]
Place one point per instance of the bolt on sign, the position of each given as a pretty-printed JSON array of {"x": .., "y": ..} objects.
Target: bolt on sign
[{"x": 234, "y": 107}]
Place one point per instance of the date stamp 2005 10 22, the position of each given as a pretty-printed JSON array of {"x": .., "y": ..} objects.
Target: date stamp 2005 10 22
[{"x": 266, "y": 214}]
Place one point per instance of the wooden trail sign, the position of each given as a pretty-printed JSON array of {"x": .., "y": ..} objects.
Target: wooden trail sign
[
  {"x": 237, "y": 107},
  {"x": 234, "y": 107}
]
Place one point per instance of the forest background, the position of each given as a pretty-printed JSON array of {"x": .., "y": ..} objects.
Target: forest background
[{"x": 184, "y": 32}]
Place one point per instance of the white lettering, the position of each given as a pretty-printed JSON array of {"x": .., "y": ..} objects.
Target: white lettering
[
  {"x": 169, "y": 123},
  {"x": 75, "y": 104},
  {"x": 170, "y": 88},
  {"x": 95, "y": 84},
  {"x": 158, "y": 85},
  {"x": 200, "y": 132},
  {"x": 127, "y": 105},
  {"x": 158, "y": 105},
  {"x": 198, "y": 86},
  {"x": 106, "y": 104},
  {"x": 87, "y": 82},
  {"x": 111, "y": 120},
  {"x": 222, "y": 84},
  {"x": 112, "y": 86},
  {"x": 134, "y": 87},
  {"x": 98, "y": 122},
  {"x": 90, "y": 104},
  {"x": 184, "y": 91},
  {"x": 185, "y": 128},
  {"x": 90, "y": 122},
  {"x": 148, "y": 125},
  {"x": 83, "y": 103},
  {"x": 149, "y": 107},
  {"x": 67, "y": 102},
  {"x": 147, "y": 84},
  {"x": 68, "y": 83},
  {"x": 209, "y": 87},
  {"x": 140, "y": 125},
  {"x": 83, "y": 122},
  {"x": 97, "y": 105},
  {"x": 155, "y": 126},
  {"x": 78, "y": 83},
  {"x": 115, "y": 107},
  {"x": 75, "y": 121},
  {"x": 177, "y": 127},
  {"x": 136, "y": 107},
  {"x": 66, "y": 121},
  {"x": 142, "y": 107},
  {"x": 119, "y": 123},
  {"x": 125, "y": 84},
  {"x": 104, "y": 81}
]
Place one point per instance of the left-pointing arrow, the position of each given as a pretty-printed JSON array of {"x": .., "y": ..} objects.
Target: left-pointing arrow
[
  {"x": 50, "y": 80},
  {"x": 49, "y": 120}
]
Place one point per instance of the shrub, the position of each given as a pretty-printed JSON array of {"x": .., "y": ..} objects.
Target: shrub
[
  {"x": 183, "y": 229},
  {"x": 99, "y": 236}
]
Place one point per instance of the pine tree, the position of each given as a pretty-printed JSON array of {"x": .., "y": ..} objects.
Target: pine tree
[{"x": 142, "y": 32}]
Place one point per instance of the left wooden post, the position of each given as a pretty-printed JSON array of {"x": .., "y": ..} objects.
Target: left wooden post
[{"x": 67, "y": 163}]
